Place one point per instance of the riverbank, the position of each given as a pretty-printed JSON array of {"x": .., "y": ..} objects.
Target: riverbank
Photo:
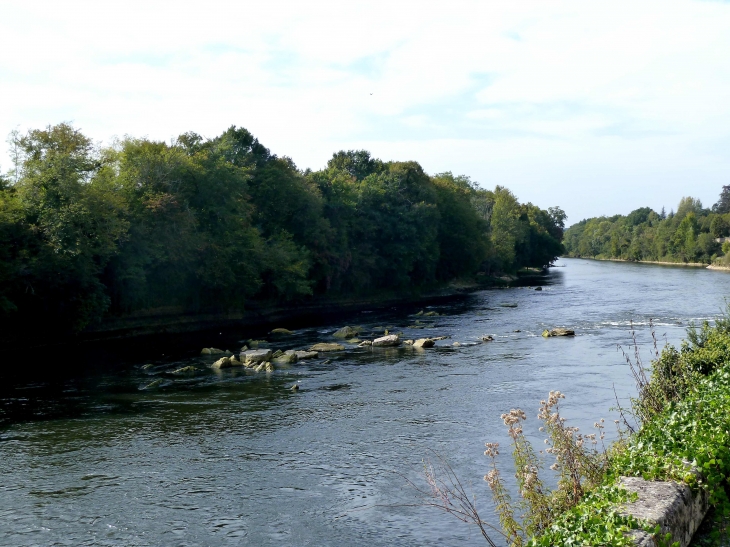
[
  {"x": 264, "y": 315},
  {"x": 660, "y": 479}
]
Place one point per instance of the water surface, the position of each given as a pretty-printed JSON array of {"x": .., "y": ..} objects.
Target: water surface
[{"x": 237, "y": 458}]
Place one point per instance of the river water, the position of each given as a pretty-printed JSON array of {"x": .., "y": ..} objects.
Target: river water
[{"x": 237, "y": 458}]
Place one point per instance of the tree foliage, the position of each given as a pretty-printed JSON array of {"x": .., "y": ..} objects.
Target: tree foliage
[
  {"x": 689, "y": 235},
  {"x": 211, "y": 224}
]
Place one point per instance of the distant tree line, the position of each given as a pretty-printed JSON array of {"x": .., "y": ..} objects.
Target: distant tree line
[
  {"x": 692, "y": 234},
  {"x": 211, "y": 224}
]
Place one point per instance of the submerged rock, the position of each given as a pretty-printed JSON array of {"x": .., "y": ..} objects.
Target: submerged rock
[
  {"x": 345, "y": 332},
  {"x": 424, "y": 343},
  {"x": 557, "y": 332},
  {"x": 508, "y": 305},
  {"x": 387, "y": 341},
  {"x": 538, "y": 288},
  {"x": 153, "y": 384},
  {"x": 147, "y": 366},
  {"x": 306, "y": 354},
  {"x": 185, "y": 370},
  {"x": 281, "y": 331},
  {"x": 353, "y": 341},
  {"x": 431, "y": 314},
  {"x": 437, "y": 338},
  {"x": 324, "y": 346}
]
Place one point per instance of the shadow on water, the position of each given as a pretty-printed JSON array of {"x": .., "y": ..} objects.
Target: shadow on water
[{"x": 123, "y": 377}]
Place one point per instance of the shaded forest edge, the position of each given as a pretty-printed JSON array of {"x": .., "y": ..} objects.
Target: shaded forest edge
[
  {"x": 694, "y": 235},
  {"x": 92, "y": 235}
]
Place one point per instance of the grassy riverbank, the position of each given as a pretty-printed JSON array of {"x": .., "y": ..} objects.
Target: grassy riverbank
[{"x": 679, "y": 422}]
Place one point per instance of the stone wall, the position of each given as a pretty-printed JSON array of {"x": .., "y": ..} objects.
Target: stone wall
[{"x": 673, "y": 506}]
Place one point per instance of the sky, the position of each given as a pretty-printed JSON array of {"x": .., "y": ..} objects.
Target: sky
[{"x": 596, "y": 107}]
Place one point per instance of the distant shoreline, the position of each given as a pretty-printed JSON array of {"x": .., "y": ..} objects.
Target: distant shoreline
[{"x": 684, "y": 264}]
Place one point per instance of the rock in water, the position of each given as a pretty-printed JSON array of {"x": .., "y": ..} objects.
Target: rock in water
[
  {"x": 345, "y": 332},
  {"x": 306, "y": 354},
  {"x": 153, "y": 384},
  {"x": 365, "y": 344},
  {"x": 223, "y": 362},
  {"x": 424, "y": 343},
  {"x": 281, "y": 331},
  {"x": 557, "y": 332},
  {"x": 456, "y": 344},
  {"x": 431, "y": 314},
  {"x": 215, "y": 351},
  {"x": 285, "y": 359},
  {"x": 295, "y": 387},
  {"x": 185, "y": 370},
  {"x": 387, "y": 341},
  {"x": 327, "y": 347},
  {"x": 255, "y": 356},
  {"x": 487, "y": 338},
  {"x": 277, "y": 353},
  {"x": 205, "y": 351},
  {"x": 538, "y": 288}
]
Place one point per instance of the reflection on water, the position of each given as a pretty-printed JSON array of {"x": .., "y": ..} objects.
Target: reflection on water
[{"x": 238, "y": 458}]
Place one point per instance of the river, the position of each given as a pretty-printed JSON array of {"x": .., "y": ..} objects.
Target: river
[{"x": 237, "y": 458}]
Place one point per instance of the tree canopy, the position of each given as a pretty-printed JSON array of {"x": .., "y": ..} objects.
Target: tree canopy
[
  {"x": 689, "y": 235},
  {"x": 200, "y": 224}
]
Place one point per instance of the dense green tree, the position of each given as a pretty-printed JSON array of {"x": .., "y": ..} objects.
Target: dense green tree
[
  {"x": 213, "y": 224},
  {"x": 723, "y": 204},
  {"x": 687, "y": 236}
]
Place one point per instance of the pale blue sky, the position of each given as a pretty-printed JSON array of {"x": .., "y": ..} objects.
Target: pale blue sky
[{"x": 597, "y": 107}]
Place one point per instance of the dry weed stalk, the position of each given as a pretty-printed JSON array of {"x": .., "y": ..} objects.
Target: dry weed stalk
[{"x": 578, "y": 463}]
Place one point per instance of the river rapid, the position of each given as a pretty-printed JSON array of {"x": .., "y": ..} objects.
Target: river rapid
[{"x": 237, "y": 458}]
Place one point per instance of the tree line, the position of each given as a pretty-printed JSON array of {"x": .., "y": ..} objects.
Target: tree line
[
  {"x": 88, "y": 231},
  {"x": 691, "y": 234}
]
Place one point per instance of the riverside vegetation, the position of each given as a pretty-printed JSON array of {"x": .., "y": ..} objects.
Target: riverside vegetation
[
  {"x": 691, "y": 235},
  {"x": 679, "y": 417},
  {"x": 209, "y": 225}
]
